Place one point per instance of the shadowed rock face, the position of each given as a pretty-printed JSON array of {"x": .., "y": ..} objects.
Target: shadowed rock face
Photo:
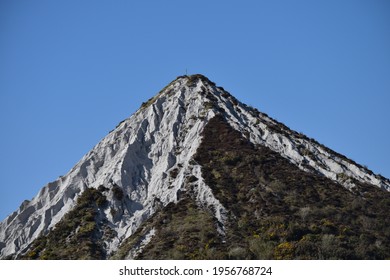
[{"x": 178, "y": 147}]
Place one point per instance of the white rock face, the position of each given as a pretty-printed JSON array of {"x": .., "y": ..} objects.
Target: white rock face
[{"x": 149, "y": 156}]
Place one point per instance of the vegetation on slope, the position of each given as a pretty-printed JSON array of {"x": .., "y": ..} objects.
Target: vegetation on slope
[
  {"x": 278, "y": 211},
  {"x": 77, "y": 235},
  {"x": 182, "y": 231}
]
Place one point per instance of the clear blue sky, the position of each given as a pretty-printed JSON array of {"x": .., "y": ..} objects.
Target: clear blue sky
[{"x": 71, "y": 70}]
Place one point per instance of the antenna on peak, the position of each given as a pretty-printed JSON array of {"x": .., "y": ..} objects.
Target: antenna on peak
[{"x": 186, "y": 72}]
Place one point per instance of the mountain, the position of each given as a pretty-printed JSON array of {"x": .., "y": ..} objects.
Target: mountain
[{"x": 196, "y": 174}]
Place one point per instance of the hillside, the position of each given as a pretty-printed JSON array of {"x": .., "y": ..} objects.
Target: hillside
[{"x": 196, "y": 174}]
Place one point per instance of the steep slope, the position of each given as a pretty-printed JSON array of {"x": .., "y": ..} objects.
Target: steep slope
[
  {"x": 139, "y": 157},
  {"x": 278, "y": 211},
  {"x": 155, "y": 165},
  {"x": 275, "y": 210}
]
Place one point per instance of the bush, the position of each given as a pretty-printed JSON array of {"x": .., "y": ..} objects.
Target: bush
[
  {"x": 238, "y": 253},
  {"x": 173, "y": 173},
  {"x": 118, "y": 192},
  {"x": 261, "y": 249},
  {"x": 284, "y": 251}
]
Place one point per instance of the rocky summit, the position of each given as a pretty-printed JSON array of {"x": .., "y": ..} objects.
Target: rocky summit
[{"x": 196, "y": 174}]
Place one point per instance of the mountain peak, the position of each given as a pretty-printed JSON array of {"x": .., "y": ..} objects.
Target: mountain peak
[
  {"x": 181, "y": 84},
  {"x": 167, "y": 157},
  {"x": 196, "y": 77}
]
